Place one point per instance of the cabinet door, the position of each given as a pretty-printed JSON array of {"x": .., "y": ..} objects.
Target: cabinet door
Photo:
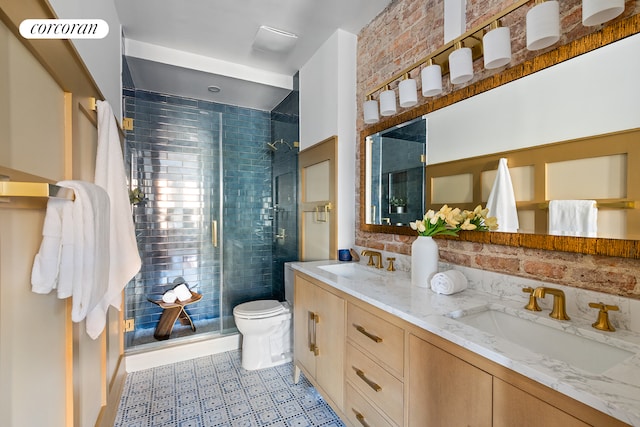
[
  {"x": 444, "y": 390},
  {"x": 514, "y": 407},
  {"x": 330, "y": 341},
  {"x": 303, "y": 307}
]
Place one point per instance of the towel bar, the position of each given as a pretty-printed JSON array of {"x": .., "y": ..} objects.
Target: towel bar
[
  {"x": 623, "y": 204},
  {"x": 34, "y": 189}
]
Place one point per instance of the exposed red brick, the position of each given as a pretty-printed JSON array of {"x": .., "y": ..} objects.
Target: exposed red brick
[
  {"x": 544, "y": 270},
  {"x": 455, "y": 258},
  {"x": 499, "y": 264}
]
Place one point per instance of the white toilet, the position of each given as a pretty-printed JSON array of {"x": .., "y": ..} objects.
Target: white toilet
[{"x": 266, "y": 327}]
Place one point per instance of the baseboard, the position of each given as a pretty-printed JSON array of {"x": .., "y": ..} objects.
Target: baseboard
[
  {"x": 179, "y": 353},
  {"x": 108, "y": 413}
]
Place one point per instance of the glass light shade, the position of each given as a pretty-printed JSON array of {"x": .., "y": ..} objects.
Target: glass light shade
[
  {"x": 388, "y": 103},
  {"x": 370, "y": 108},
  {"x": 431, "y": 80},
  {"x": 596, "y": 12},
  {"x": 460, "y": 66},
  {"x": 543, "y": 25},
  {"x": 497, "y": 48},
  {"x": 408, "y": 93}
]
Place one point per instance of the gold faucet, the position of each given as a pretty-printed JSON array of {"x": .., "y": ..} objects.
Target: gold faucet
[
  {"x": 559, "y": 311},
  {"x": 603, "y": 323},
  {"x": 533, "y": 301},
  {"x": 371, "y": 255}
]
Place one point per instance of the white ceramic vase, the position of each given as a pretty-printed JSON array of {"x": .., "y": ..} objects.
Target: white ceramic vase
[{"x": 424, "y": 261}]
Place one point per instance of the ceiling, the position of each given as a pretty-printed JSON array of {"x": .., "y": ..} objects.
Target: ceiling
[{"x": 182, "y": 47}]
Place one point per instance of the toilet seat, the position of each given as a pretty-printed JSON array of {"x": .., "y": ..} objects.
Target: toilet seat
[{"x": 259, "y": 309}]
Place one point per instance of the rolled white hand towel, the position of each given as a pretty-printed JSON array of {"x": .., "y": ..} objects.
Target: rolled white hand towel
[
  {"x": 182, "y": 292},
  {"x": 169, "y": 297},
  {"x": 448, "y": 282}
]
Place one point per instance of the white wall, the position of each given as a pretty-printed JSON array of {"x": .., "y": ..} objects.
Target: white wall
[
  {"x": 591, "y": 94},
  {"x": 103, "y": 56},
  {"x": 327, "y": 108}
]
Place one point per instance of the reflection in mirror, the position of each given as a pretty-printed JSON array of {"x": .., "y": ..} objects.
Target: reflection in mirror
[{"x": 396, "y": 174}]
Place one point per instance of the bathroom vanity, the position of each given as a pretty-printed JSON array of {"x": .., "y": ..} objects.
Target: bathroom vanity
[{"x": 384, "y": 353}]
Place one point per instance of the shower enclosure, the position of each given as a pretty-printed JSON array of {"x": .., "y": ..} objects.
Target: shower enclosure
[{"x": 206, "y": 215}]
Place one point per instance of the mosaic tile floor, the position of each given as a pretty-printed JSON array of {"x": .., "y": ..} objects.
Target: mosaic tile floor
[{"x": 216, "y": 391}]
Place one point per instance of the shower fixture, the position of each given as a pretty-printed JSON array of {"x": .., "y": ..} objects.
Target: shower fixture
[{"x": 273, "y": 146}]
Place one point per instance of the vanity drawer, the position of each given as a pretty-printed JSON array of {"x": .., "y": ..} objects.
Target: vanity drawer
[
  {"x": 361, "y": 413},
  {"x": 381, "y": 339},
  {"x": 374, "y": 382}
]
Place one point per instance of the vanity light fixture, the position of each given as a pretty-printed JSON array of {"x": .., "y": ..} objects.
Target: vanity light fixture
[
  {"x": 370, "y": 108},
  {"x": 408, "y": 92},
  {"x": 431, "y": 79},
  {"x": 596, "y": 12},
  {"x": 543, "y": 25},
  {"x": 497, "y": 46},
  {"x": 388, "y": 102},
  {"x": 460, "y": 64}
]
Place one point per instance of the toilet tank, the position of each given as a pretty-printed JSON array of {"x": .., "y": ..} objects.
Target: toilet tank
[{"x": 288, "y": 283}]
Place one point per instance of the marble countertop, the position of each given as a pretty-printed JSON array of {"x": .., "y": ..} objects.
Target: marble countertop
[{"x": 616, "y": 391}]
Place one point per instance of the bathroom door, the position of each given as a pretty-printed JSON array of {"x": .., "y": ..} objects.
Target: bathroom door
[{"x": 318, "y": 207}]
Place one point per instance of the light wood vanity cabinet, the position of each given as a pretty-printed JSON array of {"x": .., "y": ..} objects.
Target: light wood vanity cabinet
[
  {"x": 445, "y": 390},
  {"x": 377, "y": 370},
  {"x": 319, "y": 343},
  {"x": 375, "y": 365},
  {"x": 514, "y": 407}
]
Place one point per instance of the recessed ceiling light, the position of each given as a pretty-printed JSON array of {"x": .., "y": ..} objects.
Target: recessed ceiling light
[{"x": 213, "y": 89}]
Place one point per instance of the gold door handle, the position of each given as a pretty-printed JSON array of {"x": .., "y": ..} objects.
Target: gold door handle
[
  {"x": 360, "y": 418},
  {"x": 364, "y": 378},
  {"x": 369, "y": 335},
  {"x": 214, "y": 233}
]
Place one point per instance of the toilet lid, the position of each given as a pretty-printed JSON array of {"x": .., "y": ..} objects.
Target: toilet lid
[{"x": 260, "y": 308}]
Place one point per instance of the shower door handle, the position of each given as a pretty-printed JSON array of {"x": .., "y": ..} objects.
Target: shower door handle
[{"x": 214, "y": 233}]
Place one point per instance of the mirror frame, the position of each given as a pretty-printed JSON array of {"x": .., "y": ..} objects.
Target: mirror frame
[{"x": 590, "y": 246}]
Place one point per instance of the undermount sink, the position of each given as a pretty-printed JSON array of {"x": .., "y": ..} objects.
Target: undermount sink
[
  {"x": 582, "y": 352},
  {"x": 352, "y": 271}
]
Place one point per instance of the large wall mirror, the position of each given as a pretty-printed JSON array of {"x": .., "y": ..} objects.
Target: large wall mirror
[{"x": 588, "y": 95}]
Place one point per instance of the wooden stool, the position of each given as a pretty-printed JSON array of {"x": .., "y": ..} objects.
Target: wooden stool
[{"x": 172, "y": 312}]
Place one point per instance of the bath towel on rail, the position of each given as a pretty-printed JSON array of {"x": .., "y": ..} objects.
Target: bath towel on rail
[{"x": 73, "y": 256}]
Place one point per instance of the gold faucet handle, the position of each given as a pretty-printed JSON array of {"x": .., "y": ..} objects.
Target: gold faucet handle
[
  {"x": 365, "y": 253},
  {"x": 391, "y": 266},
  {"x": 532, "y": 305},
  {"x": 603, "y": 323}
]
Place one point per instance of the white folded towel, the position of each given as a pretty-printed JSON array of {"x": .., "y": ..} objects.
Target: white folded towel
[
  {"x": 76, "y": 235},
  {"x": 448, "y": 282},
  {"x": 169, "y": 297},
  {"x": 502, "y": 201},
  {"x": 182, "y": 292},
  {"x": 123, "y": 249},
  {"x": 573, "y": 218}
]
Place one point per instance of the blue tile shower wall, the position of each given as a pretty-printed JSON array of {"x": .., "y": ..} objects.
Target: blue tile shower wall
[{"x": 174, "y": 156}]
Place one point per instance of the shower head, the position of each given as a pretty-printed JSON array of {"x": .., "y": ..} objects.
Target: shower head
[{"x": 272, "y": 146}]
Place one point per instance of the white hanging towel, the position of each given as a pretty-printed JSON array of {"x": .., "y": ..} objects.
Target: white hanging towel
[
  {"x": 73, "y": 256},
  {"x": 124, "y": 256},
  {"x": 573, "y": 218},
  {"x": 502, "y": 200}
]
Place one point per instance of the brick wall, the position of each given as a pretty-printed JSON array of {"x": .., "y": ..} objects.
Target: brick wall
[{"x": 408, "y": 30}]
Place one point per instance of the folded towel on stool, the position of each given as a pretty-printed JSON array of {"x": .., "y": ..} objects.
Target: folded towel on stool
[
  {"x": 182, "y": 292},
  {"x": 448, "y": 282},
  {"x": 169, "y": 297}
]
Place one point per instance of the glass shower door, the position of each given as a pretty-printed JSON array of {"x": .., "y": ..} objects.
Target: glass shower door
[{"x": 178, "y": 223}]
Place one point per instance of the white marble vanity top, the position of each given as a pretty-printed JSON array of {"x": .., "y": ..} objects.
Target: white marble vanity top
[{"x": 616, "y": 391}]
